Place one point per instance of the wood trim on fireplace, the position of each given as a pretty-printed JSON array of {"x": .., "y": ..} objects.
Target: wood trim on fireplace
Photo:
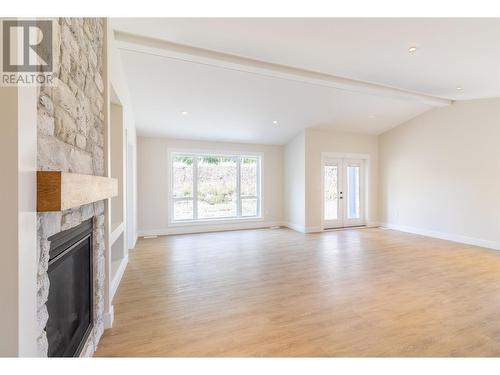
[{"x": 59, "y": 191}]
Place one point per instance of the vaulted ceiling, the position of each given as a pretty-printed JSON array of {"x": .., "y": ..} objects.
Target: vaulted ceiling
[{"x": 236, "y": 77}]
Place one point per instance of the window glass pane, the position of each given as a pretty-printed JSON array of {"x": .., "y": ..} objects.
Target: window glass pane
[
  {"x": 248, "y": 176},
  {"x": 183, "y": 210},
  {"x": 182, "y": 186},
  {"x": 182, "y": 175},
  {"x": 216, "y": 187},
  {"x": 249, "y": 207},
  {"x": 353, "y": 198},
  {"x": 331, "y": 192}
]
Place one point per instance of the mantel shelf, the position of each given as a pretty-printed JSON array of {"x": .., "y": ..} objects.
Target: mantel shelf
[{"x": 59, "y": 191}]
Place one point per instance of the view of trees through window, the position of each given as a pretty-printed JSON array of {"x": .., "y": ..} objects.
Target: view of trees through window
[
  {"x": 214, "y": 186},
  {"x": 331, "y": 192}
]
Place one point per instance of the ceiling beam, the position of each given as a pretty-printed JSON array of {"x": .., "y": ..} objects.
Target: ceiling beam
[{"x": 163, "y": 48}]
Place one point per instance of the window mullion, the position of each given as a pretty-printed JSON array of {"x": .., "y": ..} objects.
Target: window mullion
[
  {"x": 238, "y": 186},
  {"x": 258, "y": 188},
  {"x": 195, "y": 187}
]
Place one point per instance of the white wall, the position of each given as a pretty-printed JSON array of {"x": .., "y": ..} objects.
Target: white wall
[
  {"x": 440, "y": 173},
  {"x": 117, "y": 161},
  {"x": 318, "y": 142},
  {"x": 153, "y": 205},
  {"x": 294, "y": 183},
  {"x": 9, "y": 265},
  {"x": 18, "y": 223},
  {"x": 118, "y": 80}
]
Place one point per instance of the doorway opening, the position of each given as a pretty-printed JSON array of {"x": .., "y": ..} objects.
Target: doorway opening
[{"x": 343, "y": 192}]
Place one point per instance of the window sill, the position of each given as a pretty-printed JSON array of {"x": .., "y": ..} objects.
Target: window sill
[{"x": 215, "y": 221}]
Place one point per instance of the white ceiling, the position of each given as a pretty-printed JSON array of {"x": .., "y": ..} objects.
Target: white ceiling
[{"x": 237, "y": 106}]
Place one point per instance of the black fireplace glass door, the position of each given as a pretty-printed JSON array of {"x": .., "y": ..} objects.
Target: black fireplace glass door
[{"x": 70, "y": 299}]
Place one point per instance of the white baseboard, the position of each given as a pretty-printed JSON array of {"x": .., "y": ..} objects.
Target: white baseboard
[
  {"x": 302, "y": 229},
  {"x": 117, "y": 278},
  {"x": 296, "y": 227},
  {"x": 108, "y": 318},
  {"x": 445, "y": 236},
  {"x": 205, "y": 228},
  {"x": 135, "y": 242},
  {"x": 314, "y": 229}
]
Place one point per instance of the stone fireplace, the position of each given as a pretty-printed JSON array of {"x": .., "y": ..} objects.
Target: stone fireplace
[{"x": 71, "y": 139}]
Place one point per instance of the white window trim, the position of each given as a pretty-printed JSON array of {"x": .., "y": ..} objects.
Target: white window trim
[{"x": 222, "y": 220}]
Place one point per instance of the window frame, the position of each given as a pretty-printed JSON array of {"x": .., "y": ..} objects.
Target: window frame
[{"x": 232, "y": 154}]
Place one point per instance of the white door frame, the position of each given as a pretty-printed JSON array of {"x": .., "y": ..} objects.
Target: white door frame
[{"x": 364, "y": 182}]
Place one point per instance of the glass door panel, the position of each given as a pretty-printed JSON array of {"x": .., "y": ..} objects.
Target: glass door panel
[
  {"x": 332, "y": 208},
  {"x": 353, "y": 198},
  {"x": 343, "y": 192},
  {"x": 331, "y": 192}
]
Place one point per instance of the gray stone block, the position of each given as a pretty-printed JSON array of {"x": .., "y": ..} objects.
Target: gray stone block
[
  {"x": 81, "y": 141},
  {"x": 65, "y": 98},
  {"x": 46, "y": 103},
  {"x": 45, "y": 123},
  {"x": 87, "y": 211},
  {"x": 52, "y": 154},
  {"x": 71, "y": 218},
  {"x": 80, "y": 161}
]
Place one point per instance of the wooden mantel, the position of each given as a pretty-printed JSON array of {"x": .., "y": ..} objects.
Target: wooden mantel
[{"x": 59, "y": 191}]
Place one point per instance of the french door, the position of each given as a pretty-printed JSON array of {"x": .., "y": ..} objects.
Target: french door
[{"x": 343, "y": 193}]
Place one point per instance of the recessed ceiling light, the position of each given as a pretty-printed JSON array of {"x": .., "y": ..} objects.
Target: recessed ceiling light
[
  {"x": 184, "y": 113},
  {"x": 275, "y": 122},
  {"x": 412, "y": 49},
  {"x": 459, "y": 88}
]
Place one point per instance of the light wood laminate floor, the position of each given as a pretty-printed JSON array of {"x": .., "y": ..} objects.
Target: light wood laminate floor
[{"x": 277, "y": 292}]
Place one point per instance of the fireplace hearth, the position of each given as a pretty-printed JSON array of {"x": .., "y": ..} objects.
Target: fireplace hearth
[{"x": 70, "y": 300}]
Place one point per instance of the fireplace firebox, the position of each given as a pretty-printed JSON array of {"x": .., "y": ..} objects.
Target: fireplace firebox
[{"x": 70, "y": 300}]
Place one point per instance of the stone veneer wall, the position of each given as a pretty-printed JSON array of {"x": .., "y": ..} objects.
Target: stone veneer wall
[{"x": 71, "y": 139}]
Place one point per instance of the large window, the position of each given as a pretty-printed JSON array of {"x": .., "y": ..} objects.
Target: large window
[{"x": 206, "y": 186}]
